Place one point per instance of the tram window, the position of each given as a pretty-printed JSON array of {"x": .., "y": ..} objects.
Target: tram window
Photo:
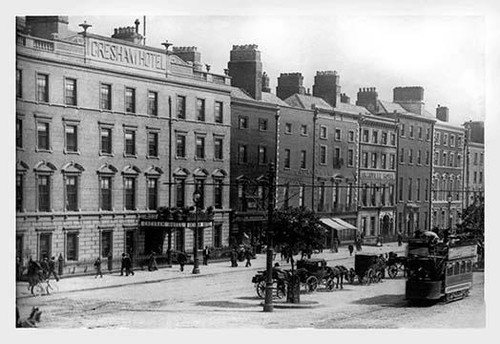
[
  {"x": 449, "y": 270},
  {"x": 469, "y": 266},
  {"x": 462, "y": 267},
  {"x": 456, "y": 269}
]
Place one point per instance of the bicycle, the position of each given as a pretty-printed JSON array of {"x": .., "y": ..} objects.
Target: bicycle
[{"x": 45, "y": 286}]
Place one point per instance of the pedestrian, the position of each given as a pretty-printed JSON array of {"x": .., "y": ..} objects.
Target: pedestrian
[
  {"x": 45, "y": 267},
  {"x": 379, "y": 241},
  {"x": 97, "y": 266},
  {"x": 206, "y": 255},
  {"x": 400, "y": 238},
  {"x": 128, "y": 266},
  {"x": 234, "y": 258},
  {"x": 248, "y": 256},
  {"x": 19, "y": 269},
  {"x": 123, "y": 264},
  {"x": 351, "y": 249},
  {"x": 181, "y": 259},
  {"x": 52, "y": 268},
  {"x": 152, "y": 265}
]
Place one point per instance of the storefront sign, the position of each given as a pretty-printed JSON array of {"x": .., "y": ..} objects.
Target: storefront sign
[
  {"x": 462, "y": 252},
  {"x": 126, "y": 55},
  {"x": 377, "y": 175},
  {"x": 169, "y": 224}
]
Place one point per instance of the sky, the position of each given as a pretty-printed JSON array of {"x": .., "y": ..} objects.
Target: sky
[{"x": 445, "y": 54}]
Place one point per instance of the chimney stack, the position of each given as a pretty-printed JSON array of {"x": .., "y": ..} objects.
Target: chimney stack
[
  {"x": 245, "y": 69},
  {"x": 410, "y": 98},
  {"x": 265, "y": 83},
  {"x": 290, "y": 84},
  {"x": 442, "y": 113},
  {"x": 368, "y": 97},
  {"x": 327, "y": 86}
]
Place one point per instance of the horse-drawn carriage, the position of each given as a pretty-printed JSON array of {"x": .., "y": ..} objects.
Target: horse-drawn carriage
[
  {"x": 315, "y": 272},
  {"x": 369, "y": 268},
  {"x": 395, "y": 264},
  {"x": 280, "y": 281}
]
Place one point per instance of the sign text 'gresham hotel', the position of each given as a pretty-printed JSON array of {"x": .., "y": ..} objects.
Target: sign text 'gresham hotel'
[{"x": 126, "y": 55}]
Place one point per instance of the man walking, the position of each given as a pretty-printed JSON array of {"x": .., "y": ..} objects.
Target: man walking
[
  {"x": 400, "y": 238},
  {"x": 97, "y": 266},
  {"x": 128, "y": 265},
  {"x": 248, "y": 256},
  {"x": 206, "y": 255},
  {"x": 181, "y": 259},
  {"x": 52, "y": 268},
  {"x": 123, "y": 264}
]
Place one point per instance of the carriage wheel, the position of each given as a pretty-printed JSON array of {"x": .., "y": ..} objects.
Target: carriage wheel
[
  {"x": 312, "y": 284},
  {"x": 330, "y": 284},
  {"x": 260, "y": 287},
  {"x": 369, "y": 276},
  {"x": 281, "y": 290},
  {"x": 392, "y": 271},
  {"x": 38, "y": 289},
  {"x": 377, "y": 276},
  {"x": 361, "y": 279},
  {"x": 52, "y": 287}
]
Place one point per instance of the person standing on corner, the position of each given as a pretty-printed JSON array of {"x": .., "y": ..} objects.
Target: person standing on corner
[
  {"x": 206, "y": 255},
  {"x": 248, "y": 256}
]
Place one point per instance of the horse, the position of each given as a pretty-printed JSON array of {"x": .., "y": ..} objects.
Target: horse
[
  {"x": 35, "y": 275},
  {"x": 31, "y": 321},
  {"x": 337, "y": 272}
]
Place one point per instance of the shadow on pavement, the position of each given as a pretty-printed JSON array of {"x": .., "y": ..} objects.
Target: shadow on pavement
[
  {"x": 388, "y": 300},
  {"x": 226, "y": 304},
  {"x": 249, "y": 298}
]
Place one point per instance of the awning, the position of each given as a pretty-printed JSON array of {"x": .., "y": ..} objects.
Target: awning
[{"x": 336, "y": 223}]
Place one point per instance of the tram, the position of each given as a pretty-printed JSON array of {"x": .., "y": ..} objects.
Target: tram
[{"x": 439, "y": 270}]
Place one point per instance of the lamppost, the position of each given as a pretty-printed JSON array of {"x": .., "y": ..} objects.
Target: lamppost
[
  {"x": 196, "y": 263},
  {"x": 450, "y": 199}
]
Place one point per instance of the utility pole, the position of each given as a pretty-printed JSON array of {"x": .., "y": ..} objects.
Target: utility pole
[{"x": 268, "y": 301}]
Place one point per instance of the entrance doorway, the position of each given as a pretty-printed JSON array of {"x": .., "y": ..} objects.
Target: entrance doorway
[
  {"x": 385, "y": 225},
  {"x": 153, "y": 240}
]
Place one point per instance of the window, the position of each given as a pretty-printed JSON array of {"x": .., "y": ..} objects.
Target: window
[
  {"x": 411, "y": 131},
  {"x": 450, "y": 160},
  {"x": 393, "y": 139},
  {"x": 218, "y": 193},
  {"x": 301, "y": 195},
  {"x": 481, "y": 158},
  {"x": 129, "y": 193},
  {"x": 322, "y": 155},
  {"x": 42, "y": 88},
  {"x": 44, "y": 193},
  {"x": 71, "y": 138},
  {"x": 383, "y": 195},
  {"x": 19, "y": 83},
  {"x": 106, "y": 136},
  {"x": 218, "y": 148},
  {"x": 43, "y": 136},
  {"x": 287, "y": 158},
  {"x": 420, "y": 133},
  {"x": 364, "y": 195},
  {"x": 373, "y": 190},
  {"x": 72, "y": 246},
  {"x": 180, "y": 146},
  {"x": 262, "y": 155},
  {"x": 338, "y": 134},
  {"x": 372, "y": 225},
  {"x": 445, "y": 139},
  {"x": 200, "y": 147},
  {"x": 71, "y": 193},
  {"x": 349, "y": 194},
  {"x": 303, "y": 159},
  {"x": 288, "y": 128},
  {"x": 322, "y": 132},
  {"x": 391, "y": 194},
  {"x": 180, "y": 192},
  {"x": 106, "y": 243},
  {"x": 105, "y": 97},
  {"x": 105, "y": 193},
  {"x": 243, "y": 122},
  {"x": 350, "y": 138},
  {"x": 374, "y": 160},
  {"x": 262, "y": 124},
  {"x": 217, "y": 236},
  {"x": 401, "y": 155},
  {"x": 70, "y": 91},
  {"x": 383, "y": 139},
  {"x": 410, "y": 156},
  {"x": 152, "y": 193},
  {"x": 152, "y": 103},
  {"x": 410, "y": 187},
  {"x": 392, "y": 161},
  {"x": 19, "y": 133},
  {"x": 19, "y": 192},
  {"x": 129, "y": 100},
  {"x": 480, "y": 176},
  {"x": 436, "y": 158},
  {"x": 153, "y": 144},
  {"x": 199, "y": 185},
  {"x": 243, "y": 154},
  {"x": 475, "y": 177},
  {"x": 427, "y": 134},
  {"x": 400, "y": 187},
  {"x": 475, "y": 158},
  {"x": 426, "y": 194},
  {"x": 384, "y": 161},
  {"x": 200, "y": 109},
  {"x": 365, "y": 159},
  {"x": 303, "y": 129},
  {"x": 350, "y": 157},
  {"x": 452, "y": 140},
  {"x": 321, "y": 204},
  {"x": 45, "y": 245},
  {"x": 419, "y": 157},
  {"x": 418, "y": 189},
  {"x": 402, "y": 130},
  {"x": 181, "y": 107},
  {"x": 459, "y": 142},
  {"x": 129, "y": 142},
  {"x": 375, "y": 136},
  {"x": 366, "y": 134},
  {"x": 427, "y": 157},
  {"x": 443, "y": 161},
  {"x": 218, "y": 112}
]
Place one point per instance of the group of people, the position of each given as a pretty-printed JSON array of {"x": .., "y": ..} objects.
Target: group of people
[{"x": 240, "y": 255}]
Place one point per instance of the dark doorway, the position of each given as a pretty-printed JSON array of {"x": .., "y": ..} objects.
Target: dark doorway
[
  {"x": 153, "y": 240},
  {"x": 385, "y": 225}
]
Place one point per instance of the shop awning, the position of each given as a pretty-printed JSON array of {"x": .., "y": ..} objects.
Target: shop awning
[{"x": 336, "y": 223}]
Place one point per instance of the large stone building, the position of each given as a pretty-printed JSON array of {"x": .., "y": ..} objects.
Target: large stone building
[
  {"x": 474, "y": 162},
  {"x": 447, "y": 171},
  {"x": 108, "y": 130}
]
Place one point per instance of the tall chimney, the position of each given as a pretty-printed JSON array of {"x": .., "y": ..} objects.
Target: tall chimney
[
  {"x": 290, "y": 84},
  {"x": 326, "y": 86},
  {"x": 442, "y": 113},
  {"x": 265, "y": 83},
  {"x": 410, "y": 98},
  {"x": 245, "y": 69},
  {"x": 368, "y": 97}
]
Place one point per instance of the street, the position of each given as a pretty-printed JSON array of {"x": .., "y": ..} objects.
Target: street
[{"x": 226, "y": 298}]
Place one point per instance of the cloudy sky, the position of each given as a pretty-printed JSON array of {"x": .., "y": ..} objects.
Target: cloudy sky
[{"x": 443, "y": 54}]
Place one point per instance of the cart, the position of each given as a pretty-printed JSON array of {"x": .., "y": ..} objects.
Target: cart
[
  {"x": 314, "y": 272},
  {"x": 395, "y": 264},
  {"x": 369, "y": 268}
]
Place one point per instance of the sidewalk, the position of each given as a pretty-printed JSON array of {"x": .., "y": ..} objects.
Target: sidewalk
[{"x": 113, "y": 280}]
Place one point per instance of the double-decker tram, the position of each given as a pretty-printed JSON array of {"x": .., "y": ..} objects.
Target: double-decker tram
[{"x": 439, "y": 270}]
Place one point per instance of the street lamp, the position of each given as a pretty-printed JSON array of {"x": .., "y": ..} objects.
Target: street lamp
[
  {"x": 196, "y": 263},
  {"x": 450, "y": 199}
]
